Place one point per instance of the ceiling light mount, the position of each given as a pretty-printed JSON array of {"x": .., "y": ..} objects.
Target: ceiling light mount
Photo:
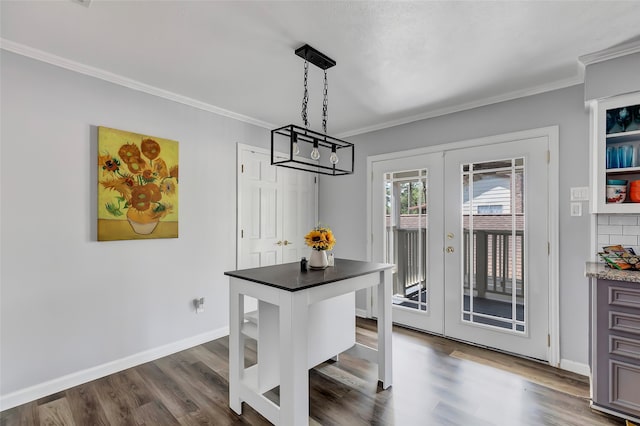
[
  {"x": 301, "y": 148},
  {"x": 316, "y": 57}
]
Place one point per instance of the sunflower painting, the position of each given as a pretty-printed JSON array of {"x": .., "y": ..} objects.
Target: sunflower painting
[{"x": 137, "y": 186}]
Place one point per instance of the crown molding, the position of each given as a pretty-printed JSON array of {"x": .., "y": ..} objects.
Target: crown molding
[
  {"x": 516, "y": 94},
  {"x": 61, "y": 62},
  {"x": 622, "y": 49}
]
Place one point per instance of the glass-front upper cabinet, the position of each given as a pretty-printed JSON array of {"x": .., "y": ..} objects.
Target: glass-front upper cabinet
[{"x": 616, "y": 155}]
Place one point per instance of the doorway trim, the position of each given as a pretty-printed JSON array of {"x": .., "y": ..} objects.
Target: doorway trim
[{"x": 552, "y": 135}]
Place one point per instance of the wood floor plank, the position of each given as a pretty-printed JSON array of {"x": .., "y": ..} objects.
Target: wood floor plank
[
  {"x": 119, "y": 395},
  {"x": 56, "y": 413},
  {"x": 85, "y": 406},
  {"x": 176, "y": 401},
  {"x": 211, "y": 404},
  {"x": 154, "y": 413},
  {"x": 535, "y": 375},
  {"x": 22, "y": 415}
]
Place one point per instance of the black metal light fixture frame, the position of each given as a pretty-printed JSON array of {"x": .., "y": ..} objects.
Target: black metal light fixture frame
[
  {"x": 292, "y": 134},
  {"x": 301, "y": 135}
]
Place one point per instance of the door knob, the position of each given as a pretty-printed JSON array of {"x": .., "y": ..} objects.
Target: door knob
[
  {"x": 449, "y": 249},
  {"x": 286, "y": 243},
  {"x": 279, "y": 243},
  {"x": 450, "y": 236}
]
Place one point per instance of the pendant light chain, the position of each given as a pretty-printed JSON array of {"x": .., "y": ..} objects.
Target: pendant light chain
[
  {"x": 305, "y": 97},
  {"x": 325, "y": 104}
]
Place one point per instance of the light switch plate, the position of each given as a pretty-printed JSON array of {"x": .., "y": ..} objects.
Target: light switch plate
[{"x": 580, "y": 193}]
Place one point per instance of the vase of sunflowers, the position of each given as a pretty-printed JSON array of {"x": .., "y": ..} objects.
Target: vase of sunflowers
[{"x": 320, "y": 239}]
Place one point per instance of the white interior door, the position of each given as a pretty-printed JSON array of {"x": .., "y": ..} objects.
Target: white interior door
[
  {"x": 408, "y": 216},
  {"x": 276, "y": 208},
  {"x": 299, "y": 212},
  {"x": 497, "y": 246},
  {"x": 259, "y": 211}
]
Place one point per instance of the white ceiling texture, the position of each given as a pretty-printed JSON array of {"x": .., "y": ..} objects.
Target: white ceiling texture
[{"x": 396, "y": 61}]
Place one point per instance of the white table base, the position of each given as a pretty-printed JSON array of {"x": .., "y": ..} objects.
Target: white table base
[{"x": 294, "y": 309}]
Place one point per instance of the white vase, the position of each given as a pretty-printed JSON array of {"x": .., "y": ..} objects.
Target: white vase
[{"x": 318, "y": 259}]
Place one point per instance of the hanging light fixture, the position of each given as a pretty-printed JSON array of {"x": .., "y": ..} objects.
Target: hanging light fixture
[{"x": 304, "y": 149}]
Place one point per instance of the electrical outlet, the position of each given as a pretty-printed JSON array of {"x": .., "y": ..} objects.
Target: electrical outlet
[
  {"x": 576, "y": 209},
  {"x": 199, "y": 305}
]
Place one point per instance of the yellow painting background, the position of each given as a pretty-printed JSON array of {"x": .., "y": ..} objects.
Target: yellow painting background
[{"x": 112, "y": 227}]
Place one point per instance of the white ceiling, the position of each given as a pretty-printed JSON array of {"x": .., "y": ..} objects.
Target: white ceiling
[{"x": 396, "y": 61}]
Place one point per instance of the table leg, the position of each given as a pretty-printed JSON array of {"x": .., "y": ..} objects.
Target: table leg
[
  {"x": 294, "y": 371},
  {"x": 236, "y": 347},
  {"x": 385, "y": 360}
]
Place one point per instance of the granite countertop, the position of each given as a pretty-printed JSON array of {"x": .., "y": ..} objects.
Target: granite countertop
[
  {"x": 287, "y": 276},
  {"x": 603, "y": 272}
]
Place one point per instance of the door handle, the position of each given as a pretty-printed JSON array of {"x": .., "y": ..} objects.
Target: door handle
[
  {"x": 279, "y": 243},
  {"x": 449, "y": 249},
  {"x": 286, "y": 243}
]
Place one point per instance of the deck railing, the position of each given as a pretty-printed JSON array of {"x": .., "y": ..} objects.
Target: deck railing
[
  {"x": 492, "y": 266},
  {"x": 492, "y": 269}
]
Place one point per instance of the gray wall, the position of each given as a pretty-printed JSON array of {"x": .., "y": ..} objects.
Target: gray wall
[
  {"x": 70, "y": 303},
  {"x": 343, "y": 199}
]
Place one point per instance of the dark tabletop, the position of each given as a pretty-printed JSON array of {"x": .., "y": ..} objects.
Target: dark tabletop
[{"x": 288, "y": 276}]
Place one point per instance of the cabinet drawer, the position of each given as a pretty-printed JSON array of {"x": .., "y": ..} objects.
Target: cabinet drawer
[
  {"x": 623, "y": 346},
  {"x": 622, "y": 321},
  {"x": 624, "y": 390},
  {"x": 623, "y": 296}
]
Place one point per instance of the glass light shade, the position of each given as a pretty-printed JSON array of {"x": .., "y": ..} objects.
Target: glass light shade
[{"x": 334, "y": 158}]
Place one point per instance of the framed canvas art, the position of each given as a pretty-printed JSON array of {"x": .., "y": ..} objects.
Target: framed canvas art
[{"x": 137, "y": 186}]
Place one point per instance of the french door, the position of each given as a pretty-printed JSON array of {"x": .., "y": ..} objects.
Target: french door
[
  {"x": 408, "y": 217},
  {"x": 497, "y": 246},
  {"x": 468, "y": 232}
]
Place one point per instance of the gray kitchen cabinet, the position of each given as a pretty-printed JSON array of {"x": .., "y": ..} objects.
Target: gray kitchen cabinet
[{"x": 615, "y": 345}]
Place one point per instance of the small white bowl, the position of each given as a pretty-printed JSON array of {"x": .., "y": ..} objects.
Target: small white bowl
[{"x": 616, "y": 193}]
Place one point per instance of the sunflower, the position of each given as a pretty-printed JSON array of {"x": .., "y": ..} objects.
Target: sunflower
[
  {"x": 150, "y": 148},
  {"x": 167, "y": 186},
  {"x": 129, "y": 153},
  {"x": 320, "y": 238},
  {"x": 313, "y": 238},
  {"x": 160, "y": 168},
  {"x": 173, "y": 172},
  {"x": 141, "y": 197},
  {"x": 108, "y": 164},
  {"x": 137, "y": 165},
  {"x": 122, "y": 185},
  {"x": 154, "y": 191}
]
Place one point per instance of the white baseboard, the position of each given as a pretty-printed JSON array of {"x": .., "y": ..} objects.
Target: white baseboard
[
  {"x": 32, "y": 393},
  {"x": 575, "y": 367},
  {"x": 362, "y": 313}
]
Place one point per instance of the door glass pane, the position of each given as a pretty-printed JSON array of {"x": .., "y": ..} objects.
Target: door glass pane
[
  {"x": 494, "y": 241},
  {"x": 406, "y": 237}
]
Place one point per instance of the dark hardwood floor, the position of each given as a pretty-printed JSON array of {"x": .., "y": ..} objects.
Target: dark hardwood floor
[{"x": 436, "y": 382}]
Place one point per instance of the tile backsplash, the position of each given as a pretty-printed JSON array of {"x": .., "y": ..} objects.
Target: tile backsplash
[{"x": 619, "y": 229}]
